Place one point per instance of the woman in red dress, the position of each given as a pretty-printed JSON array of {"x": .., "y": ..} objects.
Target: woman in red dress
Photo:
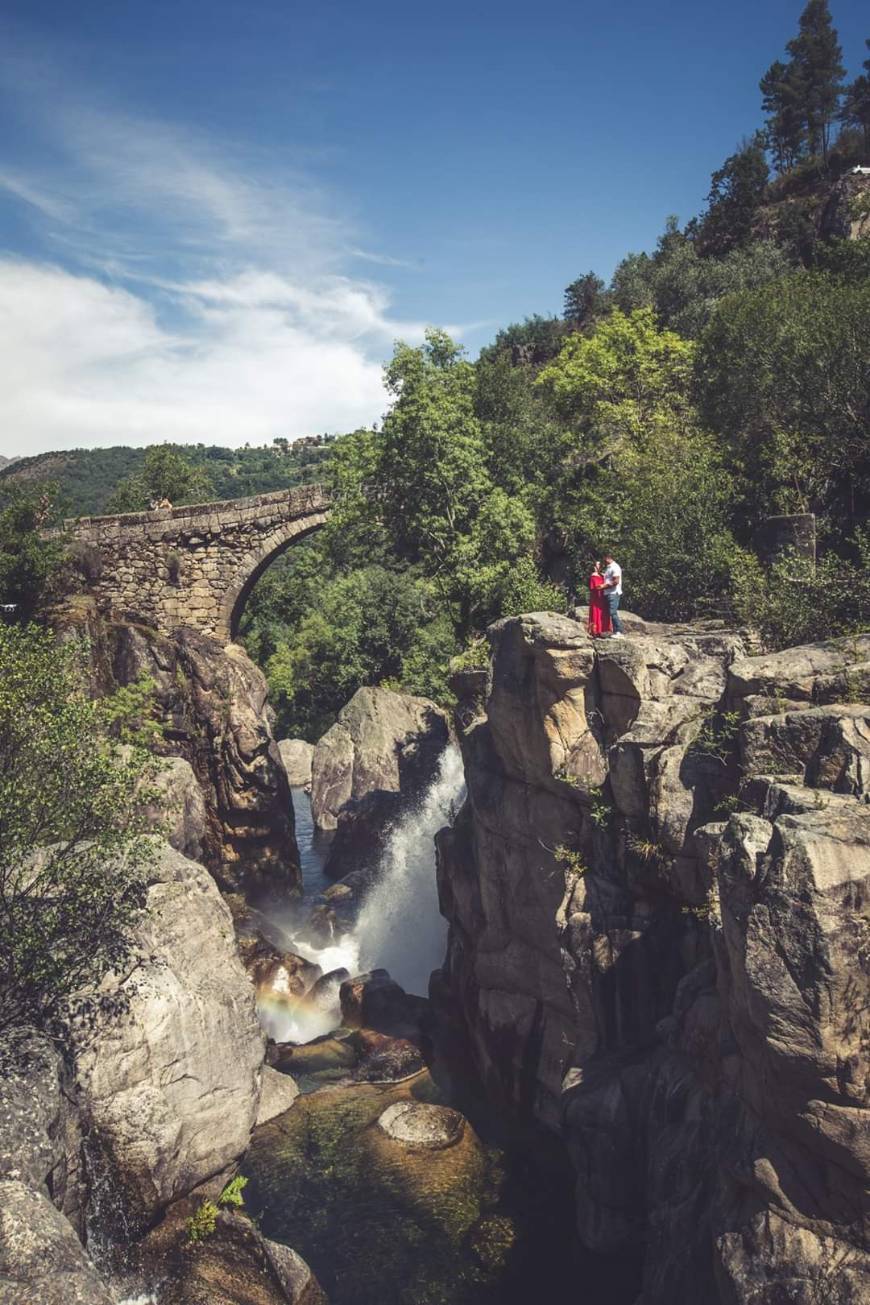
[{"x": 599, "y": 617}]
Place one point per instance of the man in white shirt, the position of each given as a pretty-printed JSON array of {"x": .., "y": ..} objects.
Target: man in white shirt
[{"x": 613, "y": 592}]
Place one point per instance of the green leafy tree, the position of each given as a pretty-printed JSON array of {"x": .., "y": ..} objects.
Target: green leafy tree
[
  {"x": 165, "y": 474},
  {"x": 683, "y": 286},
  {"x": 611, "y": 383},
  {"x": 782, "y": 376},
  {"x": 358, "y": 629},
  {"x": 31, "y": 562},
  {"x": 798, "y": 601},
  {"x": 517, "y": 423},
  {"x": 737, "y": 192},
  {"x": 637, "y": 475},
  {"x": 72, "y": 852}
]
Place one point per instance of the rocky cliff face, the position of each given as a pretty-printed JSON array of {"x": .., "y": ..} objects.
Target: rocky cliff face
[
  {"x": 169, "y": 1087},
  {"x": 212, "y": 702},
  {"x": 156, "y": 1095},
  {"x": 658, "y": 943}
]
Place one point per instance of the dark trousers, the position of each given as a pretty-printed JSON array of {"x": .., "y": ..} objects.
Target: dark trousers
[{"x": 613, "y": 608}]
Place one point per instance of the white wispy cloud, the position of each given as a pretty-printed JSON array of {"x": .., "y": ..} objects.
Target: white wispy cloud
[{"x": 187, "y": 292}]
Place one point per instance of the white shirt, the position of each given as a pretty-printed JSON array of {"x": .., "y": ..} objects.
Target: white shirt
[{"x": 613, "y": 572}]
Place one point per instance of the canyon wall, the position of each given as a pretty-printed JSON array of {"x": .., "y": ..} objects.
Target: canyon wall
[
  {"x": 210, "y": 702},
  {"x": 658, "y": 944}
]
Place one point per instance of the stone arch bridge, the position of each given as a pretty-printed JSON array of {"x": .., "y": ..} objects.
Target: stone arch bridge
[{"x": 195, "y": 565}]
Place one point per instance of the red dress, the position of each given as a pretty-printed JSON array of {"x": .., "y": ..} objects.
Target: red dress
[{"x": 599, "y": 616}]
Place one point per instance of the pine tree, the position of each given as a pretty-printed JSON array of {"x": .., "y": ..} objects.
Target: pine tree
[
  {"x": 818, "y": 71},
  {"x": 781, "y": 101},
  {"x": 585, "y": 300},
  {"x": 736, "y": 192},
  {"x": 856, "y": 102}
]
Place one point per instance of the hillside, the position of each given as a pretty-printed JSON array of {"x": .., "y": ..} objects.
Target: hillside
[{"x": 88, "y": 477}]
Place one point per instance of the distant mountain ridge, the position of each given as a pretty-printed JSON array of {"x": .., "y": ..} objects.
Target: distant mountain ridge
[{"x": 87, "y": 478}]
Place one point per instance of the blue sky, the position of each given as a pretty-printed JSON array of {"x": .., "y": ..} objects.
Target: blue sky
[{"x": 217, "y": 215}]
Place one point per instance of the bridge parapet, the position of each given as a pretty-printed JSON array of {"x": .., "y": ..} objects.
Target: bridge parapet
[{"x": 193, "y": 565}]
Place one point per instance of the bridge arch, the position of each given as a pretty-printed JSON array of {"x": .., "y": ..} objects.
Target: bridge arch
[
  {"x": 252, "y": 567},
  {"x": 194, "y": 565}
]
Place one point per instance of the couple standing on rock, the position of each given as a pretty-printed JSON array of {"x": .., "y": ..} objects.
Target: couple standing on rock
[{"x": 605, "y": 591}]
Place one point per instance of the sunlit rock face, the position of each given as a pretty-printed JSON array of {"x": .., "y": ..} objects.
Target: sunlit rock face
[
  {"x": 658, "y": 942},
  {"x": 297, "y": 756},
  {"x": 169, "y": 1088},
  {"x": 382, "y": 742}
]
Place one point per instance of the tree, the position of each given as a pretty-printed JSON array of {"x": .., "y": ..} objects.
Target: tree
[
  {"x": 855, "y": 111},
  {"x": 782, "y": 376},
  {"x": 636, "y": 473},
  {"x": 781, "y": 100},
  {"x": 818, "y": 74},
  {"x": 585, "y": 302},
  {"x": 611, "y": 383},
  {"x": 31, "y": 562},
  {"x": 165, "y": 474},
  {"x": 737, "y": 192},
  {"x": 72, "y": 852}
]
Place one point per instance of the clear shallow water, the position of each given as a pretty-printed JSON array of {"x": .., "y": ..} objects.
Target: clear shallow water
[{"x": 313, "y": 848}]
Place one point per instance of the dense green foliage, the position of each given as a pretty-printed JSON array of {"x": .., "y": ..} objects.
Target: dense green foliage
[
  {"x": 423, "y": 548},
  {"x": 30, "y": 563},
  {"x": 71, "y": 852}
]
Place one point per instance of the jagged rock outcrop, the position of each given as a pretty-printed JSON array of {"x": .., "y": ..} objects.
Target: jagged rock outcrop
[
  {"x": 297, "y": 756},
  {"x": 211, "y": 700},
  {"x": 658, "y": 944},
  {"x": 41, "y": 1257},
  {"x": 382, "y": 742},
  {"x": 169, "y": 1088}
]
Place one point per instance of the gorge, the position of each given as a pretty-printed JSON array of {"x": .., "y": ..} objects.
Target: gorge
[{"x": 655, "y": 973}]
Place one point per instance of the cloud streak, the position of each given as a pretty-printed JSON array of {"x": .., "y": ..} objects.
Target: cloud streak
[{"x": 182, "y": 293}]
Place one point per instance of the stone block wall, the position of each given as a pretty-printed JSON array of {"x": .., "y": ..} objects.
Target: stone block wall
[{"x": 193, "y": 566}]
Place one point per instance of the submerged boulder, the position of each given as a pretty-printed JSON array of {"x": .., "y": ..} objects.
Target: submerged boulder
[{"x": 421, "y": 1127}]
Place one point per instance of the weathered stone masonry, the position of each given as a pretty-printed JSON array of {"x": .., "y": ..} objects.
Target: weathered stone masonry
[{"x": 193, "y": 566}]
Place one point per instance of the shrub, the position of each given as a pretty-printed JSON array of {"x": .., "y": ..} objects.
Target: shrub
[{"x": 72, "y": 844}]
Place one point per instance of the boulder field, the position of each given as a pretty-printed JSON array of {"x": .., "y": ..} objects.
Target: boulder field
[{"x": 657, "y": 897}]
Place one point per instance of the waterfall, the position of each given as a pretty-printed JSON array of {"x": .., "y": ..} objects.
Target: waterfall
[{"x": 400, "y": 927}]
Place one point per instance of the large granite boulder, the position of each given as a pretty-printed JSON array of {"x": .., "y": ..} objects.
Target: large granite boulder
[
  {"x": 297, "y": 757},
  {"x": 42, "y": 1261},
  {"x": 382, "y": 742},
  {"x": 657, "y": 902},
  {"x": 41, "y": 1188},
  {"x": 169, "y": 1088}
]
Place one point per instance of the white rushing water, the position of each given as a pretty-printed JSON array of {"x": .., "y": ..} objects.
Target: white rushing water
[{"x": 400, "y": 927}]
